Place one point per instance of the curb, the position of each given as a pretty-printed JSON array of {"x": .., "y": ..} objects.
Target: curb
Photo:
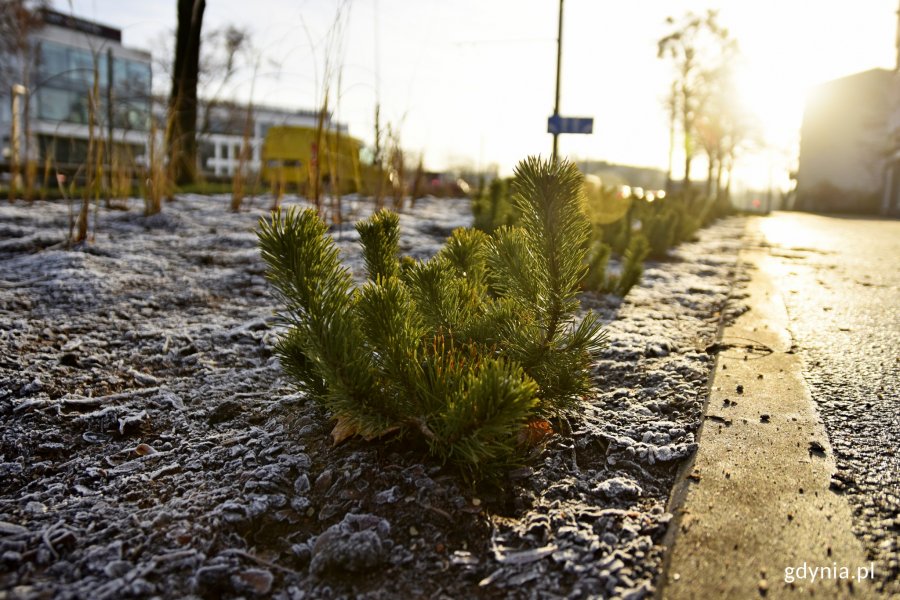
[{"x": 753, "y": 512}]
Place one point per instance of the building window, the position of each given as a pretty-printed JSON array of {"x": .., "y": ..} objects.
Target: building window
[
  {"x": 62, "y": 105},
  {"x": 67, "y": 77},
  {"x": 81, "y": 67},
  {"x": 207, "y": 152},
  {"x": 132, "y": 115},
  {"x": 54, "y": 60},
  {"x": 52, "y": 104},
  {"x": 131, "y": 78}
]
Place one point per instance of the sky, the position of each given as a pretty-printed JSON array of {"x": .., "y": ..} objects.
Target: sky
[{"x": 471, "y": 82}]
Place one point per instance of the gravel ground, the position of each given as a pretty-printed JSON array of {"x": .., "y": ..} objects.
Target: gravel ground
[
  {"x": 151, "y": 447},
  {"x": 841, "y": 284}
]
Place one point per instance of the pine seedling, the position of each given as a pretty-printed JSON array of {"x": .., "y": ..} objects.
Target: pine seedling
[
  {"x": 488, "y": 208},
  {"x": 660, "y": 227},
  {"x": 494, "y": 207},
  {"x": 463, "y": 351},
  {"x": 632, "y": 265},
  {"x": 598, "y": 258}
]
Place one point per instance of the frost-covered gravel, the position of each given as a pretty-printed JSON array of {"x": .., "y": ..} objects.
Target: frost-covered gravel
[{"x": 150, "y": 445}]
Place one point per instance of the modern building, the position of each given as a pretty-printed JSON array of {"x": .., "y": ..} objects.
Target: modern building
[
  {"x": 221, "y": 129},
  {"x": 850, "y": 144},
  {"x": 73, "y": 61},
  {"x": 81, "y": 76},
  {"x": 845, "y": 145}
]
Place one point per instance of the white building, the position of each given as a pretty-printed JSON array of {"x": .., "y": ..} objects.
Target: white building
[
  {"x": 890, "y": 201},
  {"x": 70, "y": 55},
  {"x": 220, "y": 136},
  {"x": 845, "y": 144},
  {"x": 850, "y": 144}
]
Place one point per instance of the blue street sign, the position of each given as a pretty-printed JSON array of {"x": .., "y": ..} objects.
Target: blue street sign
[{"x": 557, "y": 124}]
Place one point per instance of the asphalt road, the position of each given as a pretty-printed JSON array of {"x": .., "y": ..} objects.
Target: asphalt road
[{"x": 840, "y": 278}]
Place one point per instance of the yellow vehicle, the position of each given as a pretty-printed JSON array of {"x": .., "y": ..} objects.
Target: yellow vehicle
[{"x": 291, "y": 156}]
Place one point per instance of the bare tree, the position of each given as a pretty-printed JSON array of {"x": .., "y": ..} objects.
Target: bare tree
[
  {"x": 181, "y": 128},
  {"x": 225, "y": 53},
  {"x": 378, "y": 159},
  {"x": 671, "y": 105},
  {"x": 694, "y": 44}
]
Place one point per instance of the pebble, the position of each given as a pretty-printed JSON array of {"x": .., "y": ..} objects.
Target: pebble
[
  {"x": 254, "y": 581},
  {"x": 389, "y": 496},
  {"x": 619, "y": 487},
  {"x": 356, "y": 544},
  {"x": 301, "y": 484}
]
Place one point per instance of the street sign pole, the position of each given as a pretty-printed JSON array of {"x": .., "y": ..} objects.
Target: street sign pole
[{"x": 558, "y": 69}]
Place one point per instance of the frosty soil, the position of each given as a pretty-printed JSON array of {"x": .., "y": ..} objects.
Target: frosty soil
[{"x": 151, "y": 446}]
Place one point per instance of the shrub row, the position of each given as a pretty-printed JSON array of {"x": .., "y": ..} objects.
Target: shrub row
[{"x": 629, "y": 228}]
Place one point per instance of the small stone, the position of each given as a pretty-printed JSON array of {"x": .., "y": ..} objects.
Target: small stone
[
  {"x": 619, "y": 487},
  {"x": 144, "y": 449},
  {"x": 32, "y": 388},
  {"x": 740, "y": 389},
  {"x": 323, "y": 481},
  {"x": 254, "y": 581},
  {"x": 302, "y": 551},
  {"x": 117, "y": 568},
  {"x": 301, "y": 504},
  {"x": 764, "y": 418},
  {"x": 212, "y": 578},
  {"x": 301, "y": 484},
  {"x": 356, "y": 544},
  {"x": 35, "y": 508},
  {"x": 388, "y": 496}
]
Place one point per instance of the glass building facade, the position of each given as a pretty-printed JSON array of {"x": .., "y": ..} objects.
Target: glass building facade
[{"x": 66, "y": 80}]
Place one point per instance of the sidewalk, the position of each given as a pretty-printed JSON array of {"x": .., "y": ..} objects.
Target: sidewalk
[{"x": 754, "y": 514}]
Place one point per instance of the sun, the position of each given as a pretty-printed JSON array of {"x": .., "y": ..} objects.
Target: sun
[{"x": 774, "y": 104}]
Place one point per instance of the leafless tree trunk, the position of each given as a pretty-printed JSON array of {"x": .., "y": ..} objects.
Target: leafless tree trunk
[
  {"x": 719, "y": 160},
  {"x": 672, "y": 105},
  {"x": 378, "y": 160},
  {"x": 181, "y": 130}
]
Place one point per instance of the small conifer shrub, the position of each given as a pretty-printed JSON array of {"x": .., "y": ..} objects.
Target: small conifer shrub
[
  {"x": 494, "y": 207},
  {"x": 469, "y": 351},
  {"x": 632, "y": 265},
  {"x": 598, "y": 257}
]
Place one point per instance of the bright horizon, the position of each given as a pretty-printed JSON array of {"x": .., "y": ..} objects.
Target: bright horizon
[{"x": 472, "y": 83}]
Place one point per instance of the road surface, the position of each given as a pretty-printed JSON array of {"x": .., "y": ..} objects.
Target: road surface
[{"x": 840, "y": 278}]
